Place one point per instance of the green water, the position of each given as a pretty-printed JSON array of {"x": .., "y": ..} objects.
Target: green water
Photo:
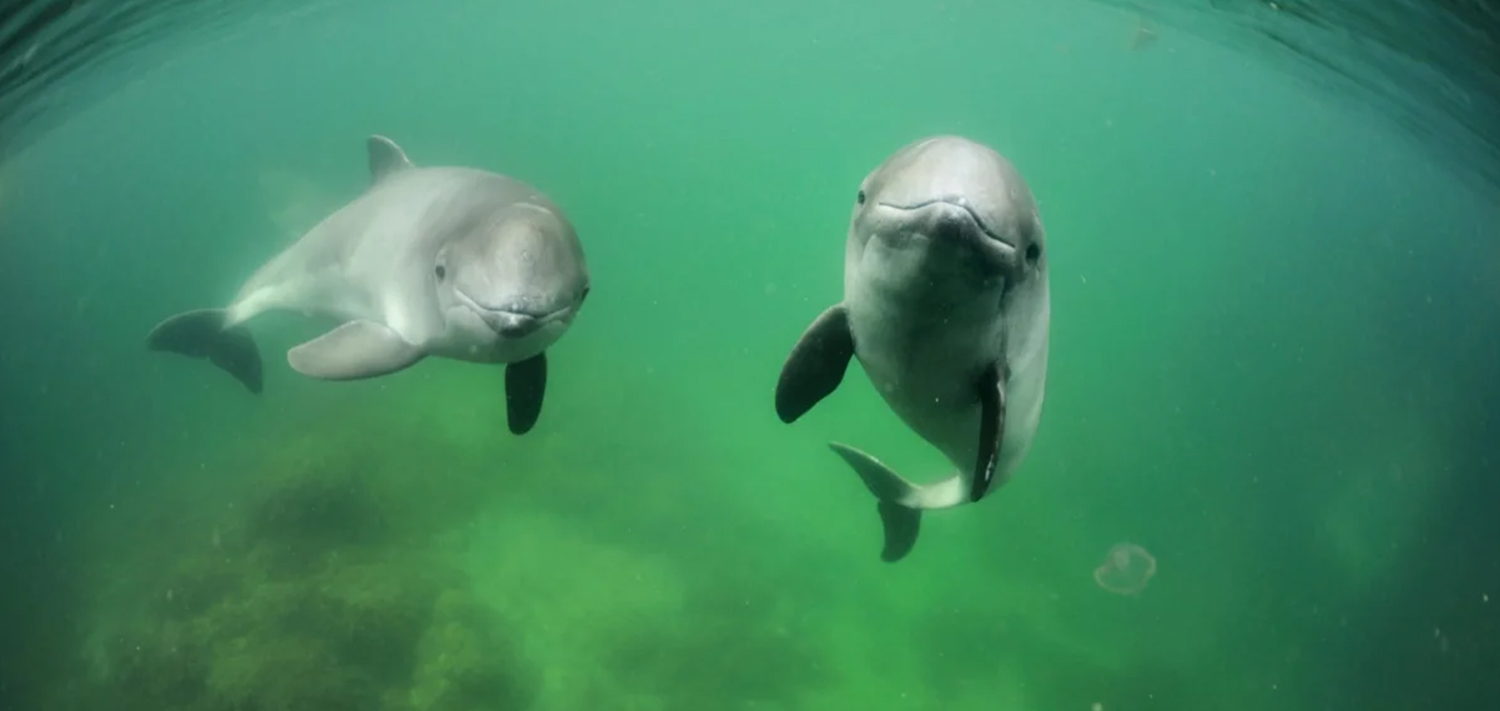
[{"x": 1269, "y": 365}]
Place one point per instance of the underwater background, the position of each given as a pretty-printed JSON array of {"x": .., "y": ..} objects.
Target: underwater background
[{"x": 1274, "y": 369}]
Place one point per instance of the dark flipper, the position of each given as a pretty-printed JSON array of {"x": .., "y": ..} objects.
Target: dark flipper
[
  {"x": 354, "y": 350},
  {"x": 525, "y": 384},
  {"x": 901, "y": 526},
  {"x": 201, "y": 334},
  {"x": 991, "y": 391},
  {"x": 816, "y": 365},
  {"x": 900, "y": 523}
]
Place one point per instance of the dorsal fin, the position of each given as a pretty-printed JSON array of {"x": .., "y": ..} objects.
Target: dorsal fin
[{"x": 386, "y": 158}]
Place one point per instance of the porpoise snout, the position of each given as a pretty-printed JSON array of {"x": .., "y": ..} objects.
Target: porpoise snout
[
  {"x": 512, "y": 325},
  {"x": 950, "y": 217},
  {"x": 954, "y": 221}
]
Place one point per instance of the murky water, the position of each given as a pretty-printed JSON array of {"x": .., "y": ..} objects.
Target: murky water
[{"x": 1263, "y": 476}]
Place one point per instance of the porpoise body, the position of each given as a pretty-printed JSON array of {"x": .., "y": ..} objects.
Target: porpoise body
[
  {"x": 452, "y": 262},
  {"x": 946, "y": 308}
]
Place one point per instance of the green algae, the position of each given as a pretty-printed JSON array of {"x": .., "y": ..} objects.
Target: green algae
[
  {"x": 383, "y": 562},
  {"x": 320, "y": 588}
]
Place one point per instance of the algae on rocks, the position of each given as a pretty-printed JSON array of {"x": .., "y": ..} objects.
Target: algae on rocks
[{"x": 322, "y": 588}]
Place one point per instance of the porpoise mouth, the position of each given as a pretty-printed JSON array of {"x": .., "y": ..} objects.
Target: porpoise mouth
[
  {"x": 957, "y": 202},
  {"x": 511, "y": 322}
]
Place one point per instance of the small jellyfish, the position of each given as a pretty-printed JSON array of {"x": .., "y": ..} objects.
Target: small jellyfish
[{"x": 1126, "y": 569}]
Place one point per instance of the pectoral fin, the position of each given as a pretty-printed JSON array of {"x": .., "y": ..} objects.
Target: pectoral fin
[
  {"x": 525, "y": 384},
  {"x": 355, "y": 350},
  {"x": 816, "y": 365},
  {"x": 991, "y": 391}
]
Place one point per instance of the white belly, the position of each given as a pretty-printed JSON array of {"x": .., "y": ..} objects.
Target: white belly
[
  {"x": 927, "y": 363},
  {"x": 927, "y": 370}
]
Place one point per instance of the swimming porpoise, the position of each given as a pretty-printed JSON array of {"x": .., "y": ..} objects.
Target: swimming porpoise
[
  {"x": 946, "y": 307},
  {"x": 438, "y": 261}
]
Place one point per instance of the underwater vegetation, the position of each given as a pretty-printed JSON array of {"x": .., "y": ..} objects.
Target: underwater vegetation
[
  {"x": 335, "y": 567},
  {"x": 316, "y": 594}
]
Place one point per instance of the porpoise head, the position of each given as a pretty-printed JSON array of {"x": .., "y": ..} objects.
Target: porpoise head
[
  {"x": 520, "y": 272},
  {"x": 947, "y": 214}
]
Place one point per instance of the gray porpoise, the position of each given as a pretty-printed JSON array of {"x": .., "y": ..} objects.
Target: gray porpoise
[
  {"x": 442, "y": 261},
  {"x": 946, "y": 307}
]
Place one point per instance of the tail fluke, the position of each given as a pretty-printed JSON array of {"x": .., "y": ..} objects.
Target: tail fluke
[
  {"x": 901, "y": 527},
  {"x": 201, "y": 334},
  {"x": 899, "y": 507}
]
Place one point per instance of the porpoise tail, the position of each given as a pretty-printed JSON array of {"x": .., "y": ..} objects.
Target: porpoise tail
[
  {"x": 900, "y": 502},
  {"x": 201, "y": 334}
]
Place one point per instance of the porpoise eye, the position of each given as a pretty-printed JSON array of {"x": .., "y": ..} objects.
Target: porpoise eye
[
  {"x": 860, "y": 198},
  {"x": 441, "y": 272},
  {"x": 1033, "y": 253}
]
